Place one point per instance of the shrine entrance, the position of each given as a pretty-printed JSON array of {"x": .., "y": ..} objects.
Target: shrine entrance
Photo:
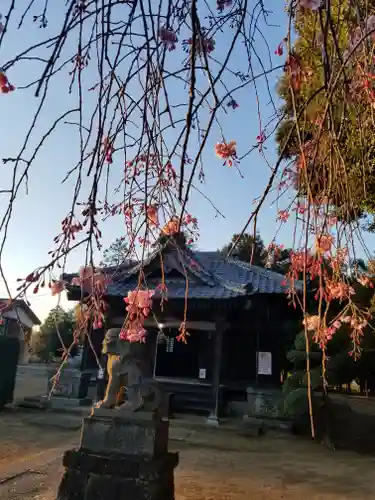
[{"x": 177, "y": 359}]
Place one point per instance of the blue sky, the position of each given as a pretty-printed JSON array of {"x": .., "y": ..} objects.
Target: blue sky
[{"x": 37, "y": 215}]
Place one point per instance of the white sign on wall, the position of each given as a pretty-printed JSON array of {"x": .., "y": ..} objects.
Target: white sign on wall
[
  {"x": 202, "y": 373},
  {"x": 264, "y": 363}
]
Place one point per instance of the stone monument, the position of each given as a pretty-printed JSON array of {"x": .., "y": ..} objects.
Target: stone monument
[
  {"x": 69, "y": 389},
  {"x": 123, "y": 453}
]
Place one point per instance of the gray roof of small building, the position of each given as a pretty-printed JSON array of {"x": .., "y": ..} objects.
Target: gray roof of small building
[
  {"x": 262, "y": 280},
  {"x": 176, "y": 289},
  {"x": 10, "y": 304},
  {"x": 211, "y": 276}
]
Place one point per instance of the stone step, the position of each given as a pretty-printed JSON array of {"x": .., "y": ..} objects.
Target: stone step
[
  {"x": 39, "y": 403},
  {"x": 66, "y": 407},
  {"x": 60, "y": 421}
]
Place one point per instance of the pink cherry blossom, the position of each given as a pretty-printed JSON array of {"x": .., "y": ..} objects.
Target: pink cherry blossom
[
  {"x": 131, "y": 301},
  {"x": 312, "y": 323},
  {"x": 280, "y": 50},
  {"x": 97, "y": 324},
  {"x": 172, "y": 227},
  {"x": 365, "y": 281},
  {"x": 139, "y": 301},
  {"x": 227, "y": 151},
  {"x": 203, "y": 45},
  {"x": 57, "y": 287},
  {"x": 145, "y": 301},
  {"x": 323, "y": 243},
  {"x": 5, "y": 85},
  {"x": 283, "y": 215},
  {"x": 189, "y": 219},
  {"x": 152, "y": 215},
  {"x": 310, "y": 4},
  {"x": 135, "y": 332},
  {"x": 108, "y": 150},
  {"x": 233, "y": 104},
  {"x": 339, "y": 290},
  {"x": 91, "y": 280},
  {"x": 139, "y": 304},
  {"x": 222, "y": 4},
  {"x": 346, "y": 319},
  {"x": 168, "y": 37}
]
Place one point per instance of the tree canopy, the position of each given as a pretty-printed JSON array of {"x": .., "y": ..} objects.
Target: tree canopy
[
  {"x": 327, "y": 130},
  {"x": 116, "y": 254},
  {"x": 46, "y": 341},
  {"x": 247, "y": 248},
  {"x": 250, "y": 249}
]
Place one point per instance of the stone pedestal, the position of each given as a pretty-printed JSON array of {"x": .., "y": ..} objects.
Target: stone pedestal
[
  {"x": 121, "y": 457},
  {"x": 263, "y": 403},
  {"x": 70, "y": 389}
]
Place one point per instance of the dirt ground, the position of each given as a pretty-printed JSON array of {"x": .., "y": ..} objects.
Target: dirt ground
[
  {"x": 272, "y": 468},
  {"x": 20, "y": 441},
  {"x": 214, "y": 465}
]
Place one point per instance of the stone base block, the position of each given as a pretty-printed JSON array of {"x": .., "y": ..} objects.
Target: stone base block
[
  {"x": 263, "y": 402},
  {"x": 89, "y": 476},
  {"x": 58, "y": 402},
  {"x": 72, "y": 383},
  {"x": 213, "y": 421},
  {"x": 139, "y": 433}
]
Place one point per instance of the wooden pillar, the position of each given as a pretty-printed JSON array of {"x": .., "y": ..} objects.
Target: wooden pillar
[{"x": 221, "y": 326}]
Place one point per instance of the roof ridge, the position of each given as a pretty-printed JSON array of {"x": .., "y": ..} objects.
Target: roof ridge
[
  {"x": 185, "y": 252},
  {"x": 229, "y": 284},
  {"x": 193, "y": 257},
  {"x": 269, "y": 273},
  {"x": 132, "y": 270},
  {"x": 260, "y": 269},
  {"x": 217, "y": 276}
]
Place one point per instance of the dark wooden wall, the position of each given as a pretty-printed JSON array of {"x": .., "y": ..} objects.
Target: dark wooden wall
[{"x": 270, "y": 325}]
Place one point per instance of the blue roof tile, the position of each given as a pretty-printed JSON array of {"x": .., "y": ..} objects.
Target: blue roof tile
[
  {"x": 178, "y": 290},
  {"x": 214, "y": 278},
  {"x": 261, "y": 279},
  {"x": 211, "y": 277}
]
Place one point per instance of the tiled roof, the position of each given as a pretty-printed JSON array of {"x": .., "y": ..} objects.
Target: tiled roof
[
  {"x": 261, "y": 279},
  {"x": 7, "y": 305},
  {"x": 211, "y": 276},
  {"x": 177, "y": 289}
]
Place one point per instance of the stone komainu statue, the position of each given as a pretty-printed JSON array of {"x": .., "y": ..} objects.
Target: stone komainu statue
[{"x": 127, "y": 359}]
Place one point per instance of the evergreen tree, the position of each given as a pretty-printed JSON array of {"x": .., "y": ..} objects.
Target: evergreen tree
[
  {"x": 247, "y": 247},
  {"x": 340, "y": 367},
  {"x": 116, "y": 254},
  {"x": 59, "y": 323},
  {"x": 333, "y": 123},
  {"x": 295, "y": 387}
]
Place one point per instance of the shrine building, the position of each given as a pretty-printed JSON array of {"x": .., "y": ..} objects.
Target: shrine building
[{"x": 238, "y": 316}]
